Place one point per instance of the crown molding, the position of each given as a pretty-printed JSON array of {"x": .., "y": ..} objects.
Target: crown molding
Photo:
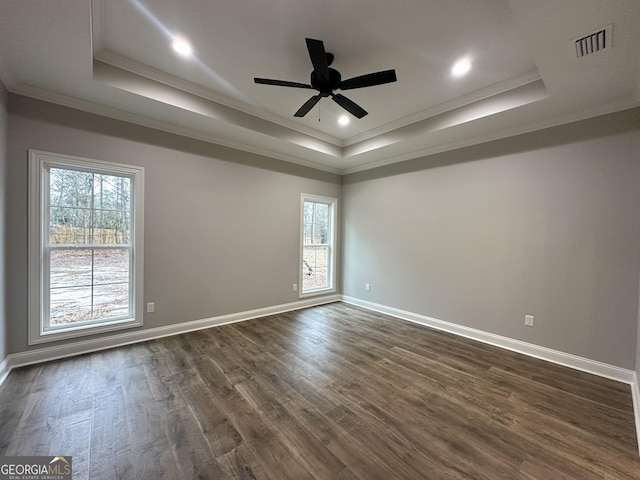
[
  {"x": 497, "y": 135},
  {"x": 117, "y": 114},
  {"x": 110, "y": 112},
  {"x": 137, "y": 68},
  {"x": 458, "y": 102}
]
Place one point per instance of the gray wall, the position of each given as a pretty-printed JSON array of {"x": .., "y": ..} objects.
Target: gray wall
[
  {"x": 3, "y": 209},
  {"x": 545, "y": 224},
  {"x": 221, "y": 226}
]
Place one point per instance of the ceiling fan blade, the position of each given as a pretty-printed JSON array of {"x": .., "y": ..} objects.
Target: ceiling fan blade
[
  {"x": 281, "y": 83},
  {"x": 349, "y": 105},
  {"x": 318, "y": 58},
  {"x": 369, "y": 80},
  {"x": 309, "y": 104}
]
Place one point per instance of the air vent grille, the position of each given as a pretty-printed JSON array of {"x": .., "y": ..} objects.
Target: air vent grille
[{"x": 593, "y": 42}]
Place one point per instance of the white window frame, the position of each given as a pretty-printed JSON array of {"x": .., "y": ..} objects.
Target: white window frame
[
  {"x": 331, "y": 274},
  {"x": 39, "y": 166}
]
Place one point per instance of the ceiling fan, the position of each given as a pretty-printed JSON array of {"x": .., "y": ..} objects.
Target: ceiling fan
[{"x": 326, "y": 80}]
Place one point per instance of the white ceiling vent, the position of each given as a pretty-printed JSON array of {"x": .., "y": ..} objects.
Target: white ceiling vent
[{"x": 594, "y": 42}]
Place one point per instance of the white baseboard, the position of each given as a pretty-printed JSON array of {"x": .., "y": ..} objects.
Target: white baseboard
[
  {"x": 573, "y": 361},
  {"x": 93, "y": 345},
  {"x": 554, "y": 356},
  {"x": 4, "y": 369},
  {"x": 635, "y": 393}
]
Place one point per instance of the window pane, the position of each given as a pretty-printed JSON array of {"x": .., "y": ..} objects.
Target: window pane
[
  {"x": 112, "y": 192},
  {"x": 315, "y": 267},
  {"x": 70, "y": 216},
  {"x": 70, "y": 268},
  {"x": 70, "y": 225},
  {"x": 308, "y": 233},
  {"x": 112, "y": 201},
  {"x": 89, "y": 208},
  {"x": 110, "y": 266},
  {"x": 69, "y": 305},
  {"x": 308, "y": 212},
  {"x": 70, "y": 188},
  {"x": 91, "y": 284},
  {"x": 320, "y": 234},
  {"x": 112, "y": 227},
  {"x": 111, "y": 301},
  {"x": 322, "y": 213}
]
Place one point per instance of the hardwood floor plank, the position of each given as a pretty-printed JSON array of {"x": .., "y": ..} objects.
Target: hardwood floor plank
[
  {"x": 607, "y": 422},
  {"x": 68, "y": 438},
  {"x": 220, "y": 434},
  {"x": 258, "y": 438},
  {"x": 302, "y": 379},
  {"x": 13, "y": 397},
  {"x": 332, "y": 392},
  {"x": 240, "y": 464},
  {"x": 189, "y": 445},
  {"x": 302, "y": 445},
  {"x": 35, "y": 430},
  {"x": 352, "y": 451},
  {"x": 110, "y": 442}
]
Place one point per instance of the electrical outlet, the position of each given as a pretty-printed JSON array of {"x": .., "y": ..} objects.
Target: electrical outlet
[
  {"x": 528, "y": 320},
  {"x": 151, "y": 307},
  {"x": 367, "y": 287},
  {"x": 295, "y": 287}
]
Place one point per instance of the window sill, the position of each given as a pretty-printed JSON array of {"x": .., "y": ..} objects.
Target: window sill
[
  {"x": 84, "y": 330},
  {"x": 317, "y": 292}
]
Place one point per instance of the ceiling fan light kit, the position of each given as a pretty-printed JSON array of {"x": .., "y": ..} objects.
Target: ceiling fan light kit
[{"x": 327, "y": 80}]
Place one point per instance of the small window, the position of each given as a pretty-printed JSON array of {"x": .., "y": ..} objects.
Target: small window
[
  {"x": 85, "y": 246},
  {"x": 318, "y": 232}
]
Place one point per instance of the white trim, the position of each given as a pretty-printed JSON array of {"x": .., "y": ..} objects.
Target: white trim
[
  {"x": 554, "y": 356},
  {"x": 39, "y": 163},
  {"x": 137, "y": 119},
  {"x": 123, "y": 63},
  {"x": 635, "y": 394},
  {"x": 458, "y": 102},
  {"x": 468, "y": 141},
  {"x": 87, "y": 346},
  {"x": 5, "y": 368},
  {"x": 333, "y": 225}
]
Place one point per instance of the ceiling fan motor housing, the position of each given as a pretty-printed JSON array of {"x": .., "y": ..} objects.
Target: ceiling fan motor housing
[{"x": 326, "y": 88}]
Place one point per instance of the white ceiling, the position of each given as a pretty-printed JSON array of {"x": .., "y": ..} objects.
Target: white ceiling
[{"x": 113, "y": 57}]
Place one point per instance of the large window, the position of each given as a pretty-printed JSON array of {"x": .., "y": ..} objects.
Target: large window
[
  {"x": 317, "y": 259},
  {"x": 85, "y": 237}
]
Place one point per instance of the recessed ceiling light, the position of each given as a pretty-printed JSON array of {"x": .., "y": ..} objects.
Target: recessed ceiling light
[
  {"x": 343, "y": 120},
  {"x": 461, "y": 67},
  {"x": 182, "y": 47}
]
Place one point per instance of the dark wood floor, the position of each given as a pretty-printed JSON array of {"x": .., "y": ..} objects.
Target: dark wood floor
[{"x": 331, "y": 392}]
